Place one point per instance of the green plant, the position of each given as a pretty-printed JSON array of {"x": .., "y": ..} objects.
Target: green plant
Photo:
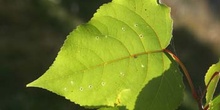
[{"x": 118, "y": 60}]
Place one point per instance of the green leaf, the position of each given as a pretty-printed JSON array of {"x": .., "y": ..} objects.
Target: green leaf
[
  {"x": 215, "y": 104},
  {"x": 213, "y": 84},
  {"x": 112, "y": 108},
  {"x": 109, "y": 60},
  {"x": 162, "y": 93}
]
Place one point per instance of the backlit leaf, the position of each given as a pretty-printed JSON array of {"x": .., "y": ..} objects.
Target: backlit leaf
[
  {"x": 213, "y": 84},
  {"x": 110, "y": 59},
  {"x": 215, "y": 104}
]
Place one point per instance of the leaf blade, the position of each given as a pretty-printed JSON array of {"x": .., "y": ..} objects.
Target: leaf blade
[
  {"x": 110, "y": 59},
  {"x": 215, "y": 104},
  {"x": 163, "y": 92},
  {"x": 213, "y": 84}
]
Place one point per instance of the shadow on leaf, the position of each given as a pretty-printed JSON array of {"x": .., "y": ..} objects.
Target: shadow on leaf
[{"x": 162, "y": 93}]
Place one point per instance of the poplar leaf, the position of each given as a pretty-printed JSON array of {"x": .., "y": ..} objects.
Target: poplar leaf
[{"x": 108, "y": 61}]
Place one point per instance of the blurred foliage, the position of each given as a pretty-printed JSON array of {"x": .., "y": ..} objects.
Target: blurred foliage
[
  {"x": 200, "y": 17},
  {"x": 31, "y": 34}
]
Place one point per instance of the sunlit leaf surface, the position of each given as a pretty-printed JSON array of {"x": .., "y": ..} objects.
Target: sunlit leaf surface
[{"x": 117, "y": 54}]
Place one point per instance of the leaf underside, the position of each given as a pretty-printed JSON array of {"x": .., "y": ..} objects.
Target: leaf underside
[{"x": 117, "y": 55}]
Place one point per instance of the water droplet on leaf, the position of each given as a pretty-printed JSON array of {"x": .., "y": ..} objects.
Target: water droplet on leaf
[
  {"x": 135, "y": 25},
  {"x": 122, "y": 74},
  {"x": 65, "y": 89},
  {"x": 97, "y": 37},
  {"x": 123, "y": 28},
  {"x": 103, "y": 83},
  {"x": 90, "y": 86},
  {"x": 81, "y": 88},
  {"x": 141, "y": 35},
  {"x": 71, "y": 82}
]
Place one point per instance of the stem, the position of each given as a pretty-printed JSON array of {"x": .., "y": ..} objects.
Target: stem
[{"x": 189, "y": 80}]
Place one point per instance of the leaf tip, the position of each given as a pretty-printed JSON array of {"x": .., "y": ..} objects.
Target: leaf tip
[
  {"x": 33, "y": 84},
  {"x": 30, "y": 84}
]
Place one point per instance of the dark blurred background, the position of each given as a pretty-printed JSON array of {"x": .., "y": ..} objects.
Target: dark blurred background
[{"x": 32, "y": 32}]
